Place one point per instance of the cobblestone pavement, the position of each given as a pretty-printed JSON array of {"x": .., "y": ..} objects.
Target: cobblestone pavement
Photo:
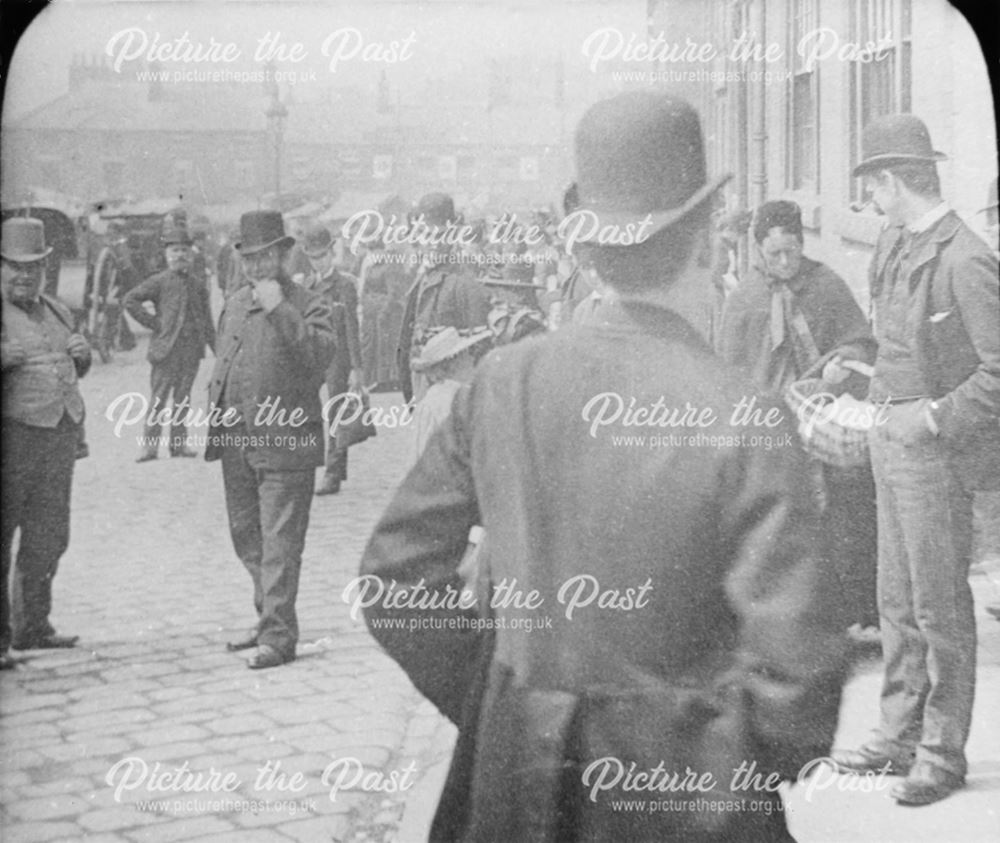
[{"x": 151, "y": 585}]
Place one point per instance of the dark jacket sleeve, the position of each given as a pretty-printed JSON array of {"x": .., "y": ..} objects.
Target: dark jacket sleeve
[
  {"x": 419, "y": 543},
  {"x": 782, "y": 587},
  {"x": 147, "y": 291},
  {"x": 309, "y": 333},
  {"x": 975, "y": 289},
  {"x": 206, "y": 310}
]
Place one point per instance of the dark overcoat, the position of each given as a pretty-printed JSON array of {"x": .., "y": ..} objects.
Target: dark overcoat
[
  {"x": 170, "y": 292},
  {"x": 282, "y": 360},
  {"x": 705, "y": 634}
]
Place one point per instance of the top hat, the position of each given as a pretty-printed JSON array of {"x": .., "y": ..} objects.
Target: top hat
[
  {"x": 436, "y": 209},
  {"x": 516, "y": 270},
  {"x": 447, "y": 344},
  {"x": 175, "y": 233},
  {"x": 895, "y": 139},
  {"x": 316, "y": 240},
  {"x": 23, "y": 240},
  {"x": 260, "y": 230},
  {"x": 641, "y": 155}
]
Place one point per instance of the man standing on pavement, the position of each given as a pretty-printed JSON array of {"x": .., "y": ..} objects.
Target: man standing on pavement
[
  {"x": 276, "y": 341},
  {"x": 344, "y": 375},
  {"x": 445, "y": 293},
  {"x": 181, "y": 322},
  {"x": 722, "y": 648},
  {"x": 937, "y": 321},
  {"x": 43, "y": 411}
]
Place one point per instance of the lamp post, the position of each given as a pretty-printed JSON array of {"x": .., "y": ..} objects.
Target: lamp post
[{"x": 276, "y": 115}]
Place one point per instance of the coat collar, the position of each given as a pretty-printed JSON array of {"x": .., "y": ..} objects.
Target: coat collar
[{"x": 926, "y": 244}]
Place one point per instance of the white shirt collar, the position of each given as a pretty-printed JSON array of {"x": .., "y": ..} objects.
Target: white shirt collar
[{"x": 928, "y": 219}]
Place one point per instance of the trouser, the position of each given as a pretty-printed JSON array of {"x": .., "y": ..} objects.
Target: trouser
[
  {"x": 173, "y": 376},
  {"x": 925, "y": 602},
  {"x": 37, "y": 481},
  {"x": 335, "y": 462},
  {"x": 268, "y": 516}
]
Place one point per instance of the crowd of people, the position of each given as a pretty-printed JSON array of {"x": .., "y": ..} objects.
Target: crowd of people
[{"x": 756, "y": 561}]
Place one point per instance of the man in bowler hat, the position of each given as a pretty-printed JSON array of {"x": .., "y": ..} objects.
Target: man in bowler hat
[
  {"x": 671, "y": 606},
  {"x": 937, "y": 321},
  {"x": 42, "y": 357},
  {"x": 181, "y": 322},
  {"x": 344, "y": 375},
  {"x": 276, "y": 341},
  {"x": 445, "y": 292}
]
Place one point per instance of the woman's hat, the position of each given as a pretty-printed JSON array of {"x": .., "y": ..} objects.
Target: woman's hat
[
  {"x": 22, "y": 240},
  {"x": 895, "y": 139},
  {"x": 260, "y": 230},
  {"x": 447, "y": 344},
  {"x": 641, "y": 155}
]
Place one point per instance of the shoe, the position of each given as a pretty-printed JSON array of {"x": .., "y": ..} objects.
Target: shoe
[
  {"x": 47, "y": 642},
  {"x": 869, "y": 760},
  {"x": 267, "y": 656},
  {"x": 246, "y": 644},
  {"x": 7, "y": 662},
  {"x": 184, "y": 452},
  {"x": 330, "y": 486},
  {"x": 926, "y": 784},
  {"x": 146, "y": 457}
]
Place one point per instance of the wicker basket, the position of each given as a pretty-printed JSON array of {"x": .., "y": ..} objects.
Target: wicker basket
[{"x": 822, "y": 429}]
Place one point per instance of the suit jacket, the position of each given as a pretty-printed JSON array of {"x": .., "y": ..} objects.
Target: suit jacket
[
  {"x": 735, "y": 654},
  {"x": 281, "y": 358},
  {"x": 446, "y": 296},
  {"x": 170, "y": 293},
  {"x": 341, "y": 292},
  {"x": 952, "y": 277}
]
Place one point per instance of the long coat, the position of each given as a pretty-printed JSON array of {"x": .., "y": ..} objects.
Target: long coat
[
  {"x": 718, "y": 639},
  {"x": 837, "y": 325},
  {"x": 281, "y": 358},
  {"x": 954, "y": 295},
  {"x": 170, "y": 292}
]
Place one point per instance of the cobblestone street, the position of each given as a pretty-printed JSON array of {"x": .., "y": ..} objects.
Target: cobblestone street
[
  {"x": 151, "y": 585},
  {"x": 153, "y": 588}
]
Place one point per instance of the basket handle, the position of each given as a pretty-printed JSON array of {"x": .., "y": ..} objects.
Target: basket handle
[{"x": 853, "y": 365}]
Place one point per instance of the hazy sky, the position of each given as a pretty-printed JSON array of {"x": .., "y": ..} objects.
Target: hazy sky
[{"x": 444, "y": 36}]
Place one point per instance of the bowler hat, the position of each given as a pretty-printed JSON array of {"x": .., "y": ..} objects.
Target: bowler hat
[
  {"x": 639, "y": 155},
  {"x": 175, "y": 234},
  {"x": 436, "y": 209},
  {"x": 895, "y": 139},
  {"x": 260, "y": 230},
  {"x": 23, "y": 240},
  {"x": 316, "y": 240}
]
